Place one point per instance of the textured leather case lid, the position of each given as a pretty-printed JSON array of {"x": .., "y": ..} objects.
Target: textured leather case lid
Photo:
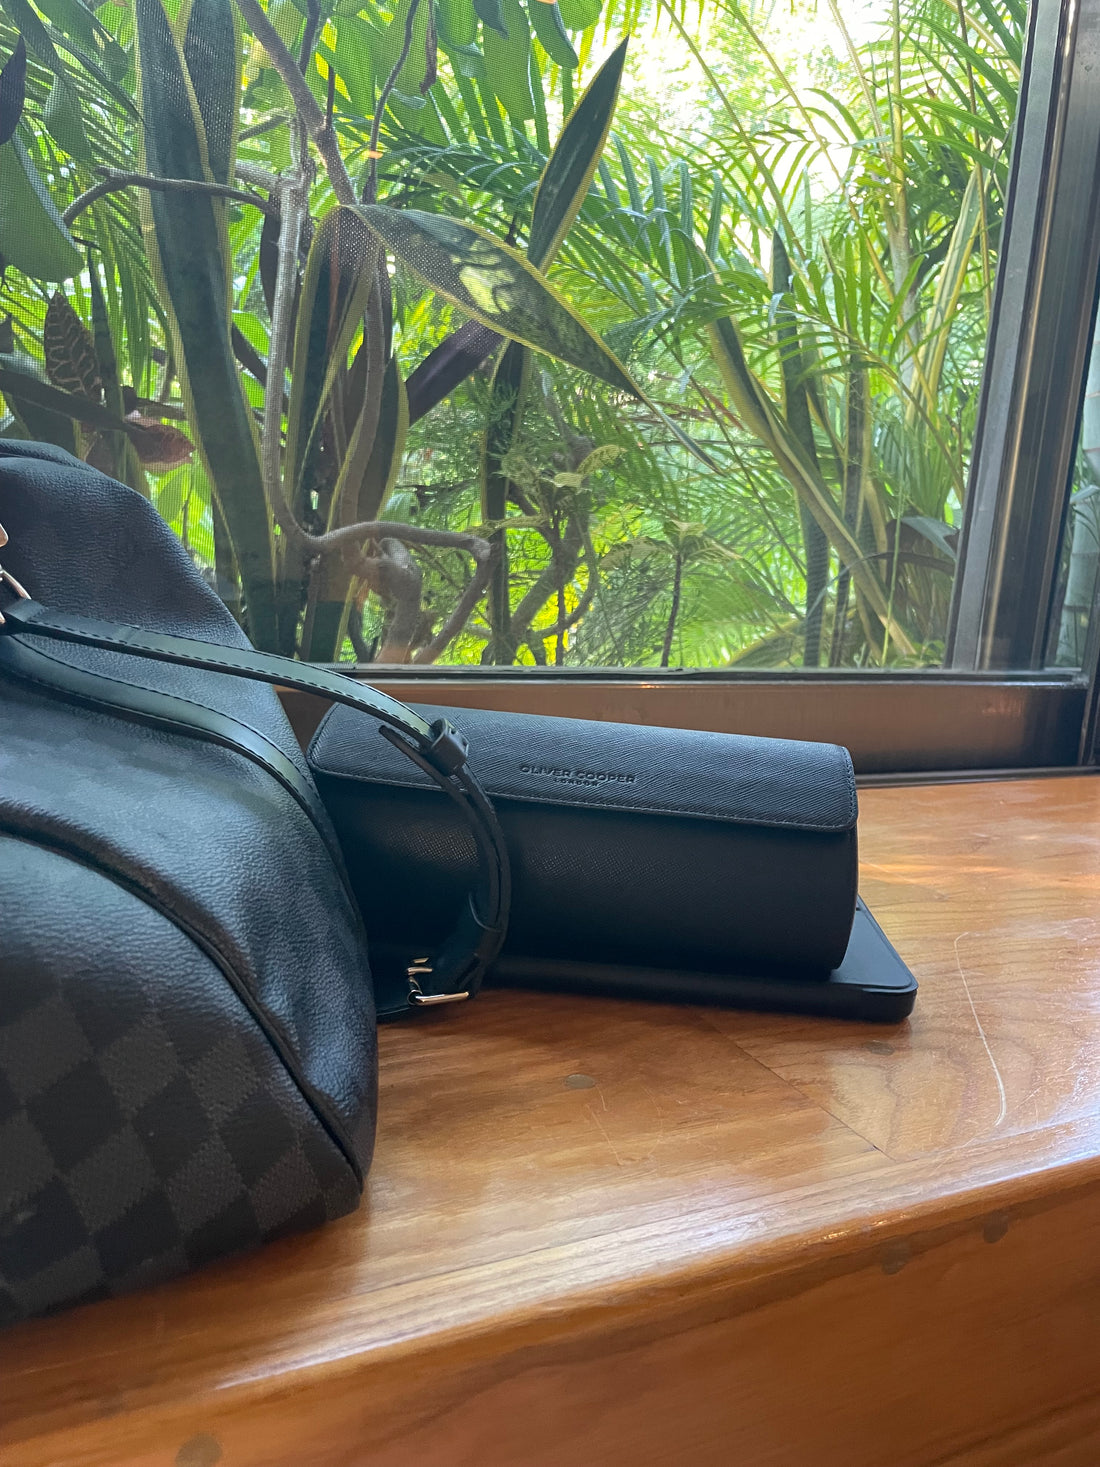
[{"x": 616, "y": 766}]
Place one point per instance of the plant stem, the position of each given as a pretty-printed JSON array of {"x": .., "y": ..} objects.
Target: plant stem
[
  {"x": 461, "y": 614},
  {"x": 282, "y": 311},
  {"x": 674, "y": 612},
  {"x": 113, "y": 183},
  {"x": 370, "y": 185},
  {"x": 324, "y": 138}
]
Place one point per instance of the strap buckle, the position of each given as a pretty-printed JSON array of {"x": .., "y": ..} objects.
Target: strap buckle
[
  {"x": 448, "y": 749},
  {"x": 419, "y": 998}
]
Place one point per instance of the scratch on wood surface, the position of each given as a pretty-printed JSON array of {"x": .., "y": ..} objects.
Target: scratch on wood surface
[
  {"x": 660, "y": 1121},
  {"x": 1003, "y": 1111},
  {"x": 656, "y": 1105},
  {"x": 603, "y": 1133}
]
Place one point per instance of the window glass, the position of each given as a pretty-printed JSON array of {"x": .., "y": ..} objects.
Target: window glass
[
  {"x": 1080, "y": 570},
  {"x": 698, "y": 391}
]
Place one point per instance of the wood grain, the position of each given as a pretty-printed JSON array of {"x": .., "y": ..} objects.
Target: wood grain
[{"x": 609, "y": 1233}]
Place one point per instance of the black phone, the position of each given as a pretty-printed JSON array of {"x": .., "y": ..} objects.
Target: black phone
[{"x": 872, "y": 983}]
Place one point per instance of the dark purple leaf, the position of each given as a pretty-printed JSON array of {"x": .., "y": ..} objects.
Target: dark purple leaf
[
  {"x": 269, "y": 258},
  {"x": 69, "y": 350},
  {"x": 249, "y": 358},
  {"x": 450, "y": 363},
  {"x": 13, "y": 91},
  {"x": 431, "y": 54}
]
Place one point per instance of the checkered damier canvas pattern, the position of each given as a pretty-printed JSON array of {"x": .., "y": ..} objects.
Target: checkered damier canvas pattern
[{"x": 141, "y": 1139}]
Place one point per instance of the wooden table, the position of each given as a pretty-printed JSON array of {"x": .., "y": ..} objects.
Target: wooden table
[{"x": 602, "y": 1233}]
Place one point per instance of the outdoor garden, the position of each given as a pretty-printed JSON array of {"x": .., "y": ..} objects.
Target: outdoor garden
[{"x": 597, "y": 333}]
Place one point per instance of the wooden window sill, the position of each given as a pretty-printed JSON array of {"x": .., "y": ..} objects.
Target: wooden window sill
[{"x": 609, "y": 1234}]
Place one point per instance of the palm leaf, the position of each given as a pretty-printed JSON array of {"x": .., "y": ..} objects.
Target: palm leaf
[
  {"x": 759, "y": 415},
  {"x": 494, "y": 283},
  {"x": 949, "y": 288},
  {"x": 185, "y": 240},
  {"x": 33, "y": 236},
  {"x": 571, "y": 166}
]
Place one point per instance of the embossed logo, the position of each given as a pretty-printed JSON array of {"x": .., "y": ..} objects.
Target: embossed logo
[{"x": 577, "y": 776}]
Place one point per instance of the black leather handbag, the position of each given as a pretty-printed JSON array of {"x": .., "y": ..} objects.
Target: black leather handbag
[
  {"x": 187, "y": 1026},
  {"x": 187, "y": 1017},
  {"x": 646, "y": 862}
]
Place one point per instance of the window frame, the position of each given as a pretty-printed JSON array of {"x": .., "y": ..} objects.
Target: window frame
[
  {"x": 1040, "y": 337},
  {"x": 893, "y": 724},
  {"x": 981, "y": 712}
]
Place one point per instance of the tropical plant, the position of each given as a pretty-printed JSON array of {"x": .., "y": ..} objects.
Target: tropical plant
[
  {"x": 704, "y": 395},
  {"x": 296, "y": 507}
]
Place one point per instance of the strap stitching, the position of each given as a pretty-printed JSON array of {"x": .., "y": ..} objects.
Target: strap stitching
[
  {"x": 325, "y": 685},
  {"x": 256, "y": 757},
  {"x": 34, "y": 618}
]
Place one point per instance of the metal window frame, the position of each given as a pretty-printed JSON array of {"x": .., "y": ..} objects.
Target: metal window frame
[
  {"x": 1089, "y": 747},
  {"x": 909, "y": 723},
  {"x": 1039, "y": 342},
  {"x": 980, "y": 713}
]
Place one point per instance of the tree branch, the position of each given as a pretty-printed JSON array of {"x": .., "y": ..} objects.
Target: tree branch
[
  {"x": 255, "y": 175},
  {"x": 401, "y": 581},
  {"x": 350, "y": 538},
  {"x": 292, "y": 209},
  {"x": 352, "y": 535},
  {"x": 113, "y": 183},
  {"x": 267, "y": 125},
  {"x": 370, "y": 187},
  {"x": 324, "y": 138},
  {"x": 462, "y": 612},
  {"x": 376, "y": 572}
]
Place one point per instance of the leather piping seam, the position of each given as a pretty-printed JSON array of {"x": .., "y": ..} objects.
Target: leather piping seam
[
  {"x": 465, "y": 971},
  {"x": 268, "y": 1025},
  {"x": 141, "y": 714},
  {"x": 166, "y": 720},
  {"x": 724, "y": 816},
  {"x": 202, "y": 659}
]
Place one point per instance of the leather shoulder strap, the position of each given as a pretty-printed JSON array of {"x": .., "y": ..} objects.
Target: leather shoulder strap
[{"x": 437, "y": 748}]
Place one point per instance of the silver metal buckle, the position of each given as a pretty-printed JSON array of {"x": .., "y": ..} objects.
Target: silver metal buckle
[
  {"x": 6, "y": 577},
  {"x": 424, "y": 1000}
]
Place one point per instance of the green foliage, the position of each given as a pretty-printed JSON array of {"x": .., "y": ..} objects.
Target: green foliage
[
  {"x": 33, "y": 237},
  {"x": 697, "y": 391}
]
